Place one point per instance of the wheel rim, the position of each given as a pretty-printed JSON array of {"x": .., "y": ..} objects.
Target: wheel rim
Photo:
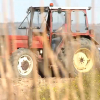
[
  {"x": 25, "y": 65},
  {"x": 83, "y": 60}
]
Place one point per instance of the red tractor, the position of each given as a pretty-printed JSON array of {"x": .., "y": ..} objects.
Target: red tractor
[{"x": 67, "y": 33}]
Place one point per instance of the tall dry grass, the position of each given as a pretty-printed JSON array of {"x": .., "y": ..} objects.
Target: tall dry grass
[{"x": 83, "y": 87}]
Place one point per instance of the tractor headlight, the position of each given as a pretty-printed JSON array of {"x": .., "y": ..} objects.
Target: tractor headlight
[{"x": 41, "y": 51}]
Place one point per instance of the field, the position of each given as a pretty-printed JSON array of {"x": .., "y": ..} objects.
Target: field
[{"x": 83, "y": 87}]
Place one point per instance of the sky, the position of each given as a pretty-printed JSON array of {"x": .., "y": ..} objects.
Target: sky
[{"x": 15, "y": 10}]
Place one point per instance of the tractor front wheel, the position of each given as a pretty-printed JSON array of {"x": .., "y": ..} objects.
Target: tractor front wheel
[{"x": 24, "y": 63}]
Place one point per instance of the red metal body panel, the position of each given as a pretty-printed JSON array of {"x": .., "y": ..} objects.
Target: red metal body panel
[{"x": 22, "y": 42}]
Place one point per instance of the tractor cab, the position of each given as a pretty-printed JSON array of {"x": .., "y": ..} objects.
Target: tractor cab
[
  {"x": 44, "y": 19},
  {"x": 56, "y": 22}
]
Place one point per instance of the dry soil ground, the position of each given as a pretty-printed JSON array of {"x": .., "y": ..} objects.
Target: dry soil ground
[{"x": 20, "y": 89}]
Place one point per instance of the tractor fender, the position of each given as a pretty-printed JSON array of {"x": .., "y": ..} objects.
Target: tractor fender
[
  {"x": 91, "y": 38},
  {"x": 96, "y": 43}
]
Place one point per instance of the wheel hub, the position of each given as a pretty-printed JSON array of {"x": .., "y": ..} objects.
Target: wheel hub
[
  {"x": 83, "y": 60},
  {"x": 25, "y": 65}
]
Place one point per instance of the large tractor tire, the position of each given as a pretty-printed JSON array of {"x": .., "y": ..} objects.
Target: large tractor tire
[
  {"x": 82, "y": 56},
  {"x": 24, "y": 63}
]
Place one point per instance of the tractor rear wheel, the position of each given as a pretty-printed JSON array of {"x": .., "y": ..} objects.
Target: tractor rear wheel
[
  {"x": 86, "y": 57},
  {"x": 24, "y": 63},
  {"x": 81, "y": 56}
]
